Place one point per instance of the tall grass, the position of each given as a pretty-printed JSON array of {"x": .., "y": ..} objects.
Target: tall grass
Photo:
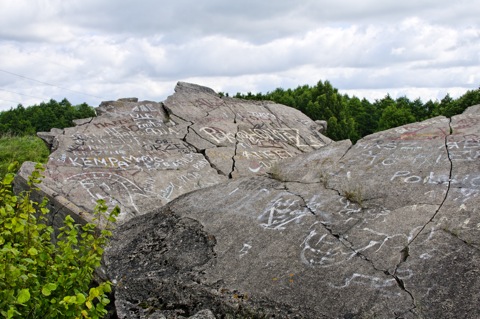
[{"x": 21, "y": 149}]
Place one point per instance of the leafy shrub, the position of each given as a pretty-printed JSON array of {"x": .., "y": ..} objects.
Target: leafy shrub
[{"x": 41, "y": 279}]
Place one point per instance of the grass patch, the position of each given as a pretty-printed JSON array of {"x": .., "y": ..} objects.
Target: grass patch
[
  {"x": 324, "y": 178},
  {"x": 354, "y": 195},
  {"x": 20, "y": 149}
]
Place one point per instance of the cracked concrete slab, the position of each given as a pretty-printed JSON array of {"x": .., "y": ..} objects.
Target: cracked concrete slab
[{"x": 385, "y": 228}]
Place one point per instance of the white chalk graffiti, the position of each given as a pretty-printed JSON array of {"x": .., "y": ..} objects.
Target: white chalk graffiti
[
  {"x": 111, "y": 188},
  {"x": 321, "y": 248},
  {"x": 167, "y": 192},
  {"x": 284, "y": 209},
  {"x": 324, "y": 250},
  {"x": 246, "y": 247},
  {"x": 262, "y": 137},
  {"x": 366, "y": 280}
]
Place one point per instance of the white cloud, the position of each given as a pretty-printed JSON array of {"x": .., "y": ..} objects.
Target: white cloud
[{"x": 112, "y": 49}]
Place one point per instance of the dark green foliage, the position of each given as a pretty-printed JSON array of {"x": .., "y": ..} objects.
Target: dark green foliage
[
  {"x": 450, "y": 107},
  {"x": 40, "y": 279},
  {"x": 395, "y": 113},
  {"x": 41, "y": 118},
  {"x": 320, "y": 102},
  {"x": 352, "y": 118}
]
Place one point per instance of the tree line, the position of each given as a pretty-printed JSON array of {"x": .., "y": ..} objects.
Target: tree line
[
  {"x": 353, "y": 118},
  {"x": 22, "y": 121},
  {"x": 348, "y": 117}
]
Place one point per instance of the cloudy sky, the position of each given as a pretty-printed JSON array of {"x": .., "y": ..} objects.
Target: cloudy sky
[{"x": 95, "y": 50}]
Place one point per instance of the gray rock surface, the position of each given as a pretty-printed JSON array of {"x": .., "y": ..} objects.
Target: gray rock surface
[
  {"x": 386, "y": 228},
  {"x": 140, "y": 155}
]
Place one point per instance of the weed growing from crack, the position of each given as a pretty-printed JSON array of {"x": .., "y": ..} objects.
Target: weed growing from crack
[
  {"x": 354, "y": 195},
  {"x": 324, "y": 178}
]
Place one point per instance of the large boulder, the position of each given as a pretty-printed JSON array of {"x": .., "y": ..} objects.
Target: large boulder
[
  {"x": 140, "y": 155},
  {"x": 386, "y": 228}
]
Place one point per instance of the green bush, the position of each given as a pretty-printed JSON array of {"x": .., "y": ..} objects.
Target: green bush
[
  {"x": 41, "y": 279},
  {"x": 21, "y": 149}
]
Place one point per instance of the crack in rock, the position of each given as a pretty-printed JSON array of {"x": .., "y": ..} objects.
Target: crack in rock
[
  {"x": 230, "y": 175},
  {"x": 344, "y": 241},
  {"x": 449, "y": 182},
  {"x": 298, "y": 233},
  {"x": 219, "y": 172},
  {"x": 305, "y": 204},
  {"x": 349, "y": 245},
  {"x": 346, "y": 151}
]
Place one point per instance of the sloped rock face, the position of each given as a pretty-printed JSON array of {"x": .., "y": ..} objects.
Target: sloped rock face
[
  {"x": 141, "y": 155},
  {"x": 386, "y": 228}
]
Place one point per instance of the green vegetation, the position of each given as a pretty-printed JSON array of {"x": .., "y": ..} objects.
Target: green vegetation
[
  {"x": 19, "y": 125},
  {"x": 23, "y": 121},
  {"x": 21, "y": 149},
  {"x": 353, "y": 118},
  {"x": 40, "y": 279},
  {"x": 354, "y": 195}
]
